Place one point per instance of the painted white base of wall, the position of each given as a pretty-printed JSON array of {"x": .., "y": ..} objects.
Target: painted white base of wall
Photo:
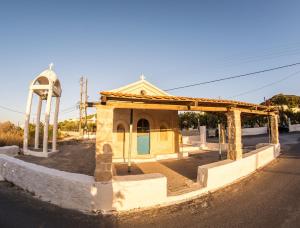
[
  {"x": 81, "y": 192},
  {"x": 294, "y": 127},
  {"x": 64, "y": 189},
  {"x": 10, "y": 150},
  {"x": 254, "y": 131},
  {"x": 156, "y": 158},
  {"x": 40, "y": 154},
  {"x": 218, "y": 174}
]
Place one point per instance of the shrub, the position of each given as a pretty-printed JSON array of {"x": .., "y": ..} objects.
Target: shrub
[{"x": 10, "y": 134}]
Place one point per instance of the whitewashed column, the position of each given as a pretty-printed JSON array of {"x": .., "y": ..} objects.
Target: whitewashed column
[
  {"x": 27, "y": 118},
  {"x": 202, "y": 136},
  {"x": 55, "y": 122},
  {"x": 37, "y": 124},
  {"x": 47, "y": 118}
]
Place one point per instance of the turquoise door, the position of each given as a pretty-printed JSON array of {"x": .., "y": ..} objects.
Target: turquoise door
[{"x": 143, "y": 137}]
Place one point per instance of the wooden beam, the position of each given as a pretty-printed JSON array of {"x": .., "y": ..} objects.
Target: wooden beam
[
  {"x": 135, "y": 105},
  {"x": 251, "y": 111},
  {"x": 127, "y": 105}
]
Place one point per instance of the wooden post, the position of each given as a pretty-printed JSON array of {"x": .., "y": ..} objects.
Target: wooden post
[
  {"x": 234, "y": 151},
  {"x": 220, "y": 141},
  {"x": 130, "y": 140}
]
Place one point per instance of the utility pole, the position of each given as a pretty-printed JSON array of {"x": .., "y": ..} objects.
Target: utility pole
[
  {"x": 80, "y": 105},
  {"x": 83, "y": 106}
]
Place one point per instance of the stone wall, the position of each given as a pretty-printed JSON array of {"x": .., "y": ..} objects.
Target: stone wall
[{"x": 254, "y": 131}]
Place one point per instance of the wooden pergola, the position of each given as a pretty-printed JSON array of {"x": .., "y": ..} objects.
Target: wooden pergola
[{"x": 233, "y": 110}]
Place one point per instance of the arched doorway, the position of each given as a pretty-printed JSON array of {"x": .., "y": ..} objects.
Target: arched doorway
[{"x": 143, "y": 137}]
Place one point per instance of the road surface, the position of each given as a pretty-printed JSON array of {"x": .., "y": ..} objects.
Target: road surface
[{"x": 268, "y": 198}]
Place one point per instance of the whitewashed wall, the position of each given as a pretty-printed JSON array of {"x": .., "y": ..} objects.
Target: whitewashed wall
[
  {"x": 294, "y": 127},
  {"x": 219, "y": 174},
  {"x": 81, "y": 192},
  {"x": 254, "y": 131},
  {"x": 9, "y": 150}
]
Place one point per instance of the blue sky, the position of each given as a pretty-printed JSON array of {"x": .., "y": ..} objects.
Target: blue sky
[{"x": 172, "y": 42}]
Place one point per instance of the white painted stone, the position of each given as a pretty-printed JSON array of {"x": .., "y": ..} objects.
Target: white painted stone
[
  {"x": 10, "y": 150},
  {"x": 81, "y": 192},
  {"x": 294, "y": 127},
  {"x": 219, "y": 174},
  {"x": 254, "y": 131},
  {"x": 64, "y": 189},
  {"x": 139, "y": 191},
  {"x": 260, "y": 145}
]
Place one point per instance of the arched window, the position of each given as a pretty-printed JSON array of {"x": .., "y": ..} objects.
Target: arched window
[
  {"x": 120, "y": 133},
  {"x": 143, "y": 126},
  {"x": 163, "y": 133}
]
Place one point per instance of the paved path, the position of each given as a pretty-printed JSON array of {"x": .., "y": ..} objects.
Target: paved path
[{"x": 269, "y": 198}]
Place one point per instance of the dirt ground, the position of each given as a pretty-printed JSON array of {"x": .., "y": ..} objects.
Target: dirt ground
[
  {"x": 181, "y": 173},
  {"x": 79, "y": 157},
  {"x": 73, "y": 156}
]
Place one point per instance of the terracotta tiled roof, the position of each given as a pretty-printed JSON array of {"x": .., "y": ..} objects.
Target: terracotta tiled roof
[{"x": 179, "y": 99}]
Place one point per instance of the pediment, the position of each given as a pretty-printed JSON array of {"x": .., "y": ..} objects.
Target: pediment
[{"x": 141, "y": 86}]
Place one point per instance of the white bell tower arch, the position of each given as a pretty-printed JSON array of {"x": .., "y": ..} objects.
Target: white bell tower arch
[{"x": 46, "y": 86}]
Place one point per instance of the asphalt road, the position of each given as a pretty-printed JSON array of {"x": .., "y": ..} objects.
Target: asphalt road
[{"x": 268, "y": 198}]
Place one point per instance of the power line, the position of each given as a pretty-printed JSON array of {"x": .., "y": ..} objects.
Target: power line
[
  {"x": 22, "y": 113},
  {"x": 267, "y": 85},
  {"x": 11, "y": 110},
  {"x": 235, "y": 76}
]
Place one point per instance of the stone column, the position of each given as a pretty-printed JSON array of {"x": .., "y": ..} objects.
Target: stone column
[
  {"x": 104, "y": 143},
  {"x": 234, "y": 151},
  {"x": 47, "y": 119},
  {"x": 37, "y": 124},
  {"x": 55, "y": 122},
  {"x": 223, "y": 133},
  {"x": 274, "y": 129},
  {"x": 27, "y": 118}
]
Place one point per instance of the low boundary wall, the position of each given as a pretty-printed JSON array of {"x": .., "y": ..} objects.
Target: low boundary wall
[
  {"x": 81, "y": 192},
  {"x": 219, "y": 174},
  {"x": 254, "y": 131},
  {"x": 10, "y": 150},
  {"x": 294, "y": 127}
]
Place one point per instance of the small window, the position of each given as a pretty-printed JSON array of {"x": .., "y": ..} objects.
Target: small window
[
  {"x": 163, "y": 133},
  {"x": 120, "y": 133}
]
